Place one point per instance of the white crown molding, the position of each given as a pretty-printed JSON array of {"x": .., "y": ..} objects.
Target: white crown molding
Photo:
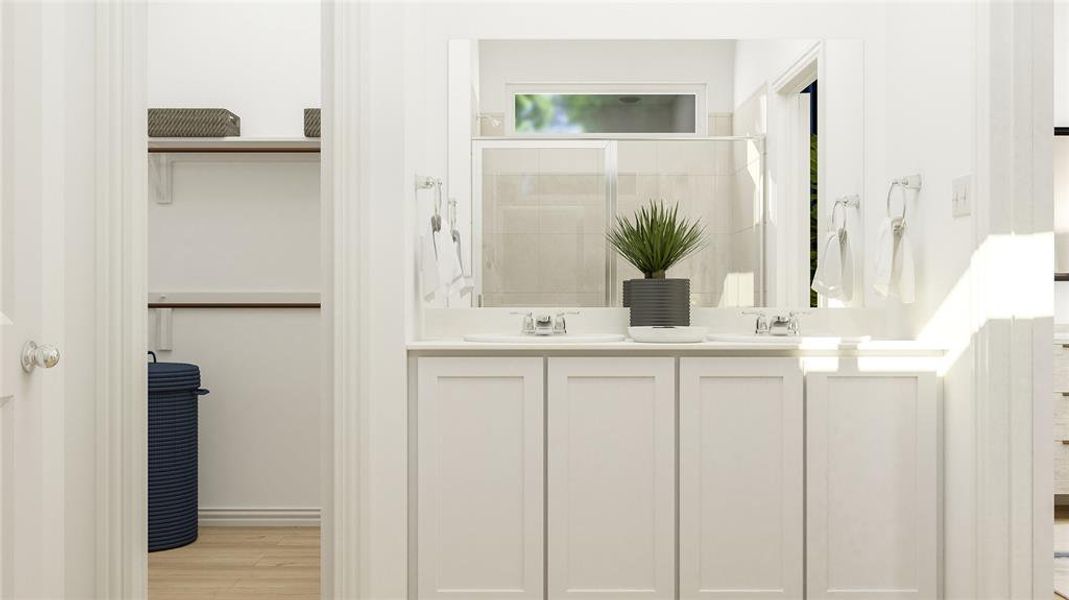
[{"x": 121, "y": 197}]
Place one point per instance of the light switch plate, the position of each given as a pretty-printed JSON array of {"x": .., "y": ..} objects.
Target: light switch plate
[{"x": 961, "y": 199}]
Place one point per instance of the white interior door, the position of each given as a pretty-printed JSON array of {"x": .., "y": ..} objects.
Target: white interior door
[{"x": 32, "y": 432}]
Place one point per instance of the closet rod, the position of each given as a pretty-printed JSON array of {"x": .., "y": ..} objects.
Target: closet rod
[{"x": 269, "y": 299}]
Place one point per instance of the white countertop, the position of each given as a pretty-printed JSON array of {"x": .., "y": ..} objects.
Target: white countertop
[{"x": 813, "y": 347}]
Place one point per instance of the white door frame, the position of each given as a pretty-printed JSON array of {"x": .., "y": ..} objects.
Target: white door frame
[
  {"x": 792, "y": 284},
  {"x": 122, "y": 196}
]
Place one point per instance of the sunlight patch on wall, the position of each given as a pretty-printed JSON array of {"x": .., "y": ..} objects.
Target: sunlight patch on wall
[{"x": 1009, "y": 277}]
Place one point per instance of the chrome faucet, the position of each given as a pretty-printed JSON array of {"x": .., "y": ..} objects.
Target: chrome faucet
[
  {"x": 560, "y": 326},
  {"x": 779, "y": 325},
  {"x": 761, "y": 325},
  {"x": 544, "y": 324},
  {"x": 528, "y": 327}
]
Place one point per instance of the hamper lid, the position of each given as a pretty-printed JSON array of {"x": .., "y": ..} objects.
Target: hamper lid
[{"x": 173, "y": 377}]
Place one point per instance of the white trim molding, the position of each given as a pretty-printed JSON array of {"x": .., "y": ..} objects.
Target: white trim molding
[
  {"x": 1013, "y": 304},
  {"x": 258, "y": 517},
  {"x": 346, "y": 232},
  {"x": 121, "y": 196}
]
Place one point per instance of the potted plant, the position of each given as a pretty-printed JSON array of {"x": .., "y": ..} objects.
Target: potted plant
[{"x": 653, "y": 240}]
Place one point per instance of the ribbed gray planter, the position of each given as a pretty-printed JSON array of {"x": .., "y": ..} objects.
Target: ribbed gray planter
[{"x": 654, "y": 302}]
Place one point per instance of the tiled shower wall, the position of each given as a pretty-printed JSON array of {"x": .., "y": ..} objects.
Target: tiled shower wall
[
  {"x": 702, "y": 177},
  {"x": 544, "y": 219}
]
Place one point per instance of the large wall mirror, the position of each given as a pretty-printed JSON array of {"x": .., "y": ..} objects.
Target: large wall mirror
[{"x": 549, "y": 141}]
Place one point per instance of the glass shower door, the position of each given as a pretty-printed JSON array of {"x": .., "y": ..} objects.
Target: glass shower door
[{"x": 540, "y": 216}]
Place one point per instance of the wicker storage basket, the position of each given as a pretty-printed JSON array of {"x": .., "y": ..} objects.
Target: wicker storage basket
[
  {"x": 311, "y": 122},
  {"x": 193, "y": 122}
]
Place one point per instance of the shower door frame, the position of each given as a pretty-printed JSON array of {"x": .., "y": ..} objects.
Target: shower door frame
[{"x": 610, "y": 146}]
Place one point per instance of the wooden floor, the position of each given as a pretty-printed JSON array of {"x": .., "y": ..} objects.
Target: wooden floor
[{"x": 238, "y": 563}]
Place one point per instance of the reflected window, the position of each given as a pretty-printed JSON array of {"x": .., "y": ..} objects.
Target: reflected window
[{"x": 605, "y": 113}]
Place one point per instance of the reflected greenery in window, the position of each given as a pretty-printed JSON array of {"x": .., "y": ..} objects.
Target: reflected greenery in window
[{"x": 572, "y": 114}]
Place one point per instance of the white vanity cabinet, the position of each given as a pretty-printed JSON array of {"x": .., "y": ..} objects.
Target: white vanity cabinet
[
  {"x": 872, "y": 490},
  {"x": 480, "y": 472},
  {"x": 560, "y": 476},
  {"x": 740, "y": 478},
  {"x": 611, "y": 478}
]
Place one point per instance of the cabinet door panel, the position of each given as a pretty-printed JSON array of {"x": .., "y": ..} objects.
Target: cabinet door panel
[
  {"x": 740, "y": 523},
  {"x": 611, "y": 485},
  {"x": 480, "y": 436},
  {"x": 872, "y": 468}
]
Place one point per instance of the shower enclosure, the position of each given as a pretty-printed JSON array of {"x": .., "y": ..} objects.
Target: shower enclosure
[{"x": 541, "y": 209}]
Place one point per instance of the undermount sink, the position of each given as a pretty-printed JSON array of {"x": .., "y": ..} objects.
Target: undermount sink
[
  {"x": 785, "y": 340},
  {"x": 568, "y": 338}
]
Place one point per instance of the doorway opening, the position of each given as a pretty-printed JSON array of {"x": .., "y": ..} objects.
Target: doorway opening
[{"x": 234, "y": 288}]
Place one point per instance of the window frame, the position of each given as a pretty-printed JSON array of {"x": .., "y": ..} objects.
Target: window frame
[{"x": 698, "y": 90}]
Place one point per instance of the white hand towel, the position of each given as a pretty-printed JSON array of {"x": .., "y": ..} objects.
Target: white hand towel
[
  {"x": 904, "y": 273},
  {"x": 828, "y": 280},
  {"x": 895, "y": 275},
  {"x": 450, "y": 272},
  {"x": 885, "y": 255},
  {"x": 834, "y": 278},
  {"x": 848, "y": 269},
  {"x": 429, "y": 280}
]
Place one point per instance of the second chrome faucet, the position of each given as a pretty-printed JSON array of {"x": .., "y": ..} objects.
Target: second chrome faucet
[
  {"x": 545, "y": 324},
  {"x": 779, "y": 324}
]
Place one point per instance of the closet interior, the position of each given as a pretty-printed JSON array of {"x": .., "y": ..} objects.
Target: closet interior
[{"x": 234, "y": 284}]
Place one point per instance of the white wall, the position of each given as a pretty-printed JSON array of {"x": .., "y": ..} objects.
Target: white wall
[
  {"x": 1061, "y": 64},
  {"x": 758, "y": 61},
  {"x": 258, "y": 59},
  {"x": 244, "y": 224},
  {"x": 605, "y": 61},
  {"x": 246, "y": 227}
]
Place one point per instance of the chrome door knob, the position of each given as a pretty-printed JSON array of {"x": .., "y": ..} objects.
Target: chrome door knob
[{"x": 34, "y": 356}]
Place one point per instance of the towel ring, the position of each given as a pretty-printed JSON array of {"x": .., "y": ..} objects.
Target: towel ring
[
  {"x": 843, "y": 201},
  {"x": 909, "y": 182},
  {"x": 890, "y": 192},
  {"x": 425, "y": 183}
]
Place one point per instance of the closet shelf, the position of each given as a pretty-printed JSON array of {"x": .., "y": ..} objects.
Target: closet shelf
[{"x": 233, "y": 144}]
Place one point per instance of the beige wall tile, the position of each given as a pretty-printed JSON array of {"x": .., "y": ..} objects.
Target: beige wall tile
[
  {"x": 636, "y": 157},
  {"x": 510, "y": 263},
  {"x": 571, "y": 263},
  {"x": 492, "y": 124},
  {"x": 576, "y": 219},
  {"x": 497, "y": 161},
  {"x": 590, "y": 161},
  {"x": 568, "y": 185}
]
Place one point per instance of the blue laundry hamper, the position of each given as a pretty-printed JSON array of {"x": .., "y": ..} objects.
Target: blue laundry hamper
[{"x": 173, "y": 390}]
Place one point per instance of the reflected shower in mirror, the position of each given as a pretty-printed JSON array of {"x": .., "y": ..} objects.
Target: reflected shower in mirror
[{"x": 550, "y": 141}]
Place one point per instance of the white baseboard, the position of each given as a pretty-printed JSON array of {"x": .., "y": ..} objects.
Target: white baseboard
[{"x": 259, "y": 517}]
